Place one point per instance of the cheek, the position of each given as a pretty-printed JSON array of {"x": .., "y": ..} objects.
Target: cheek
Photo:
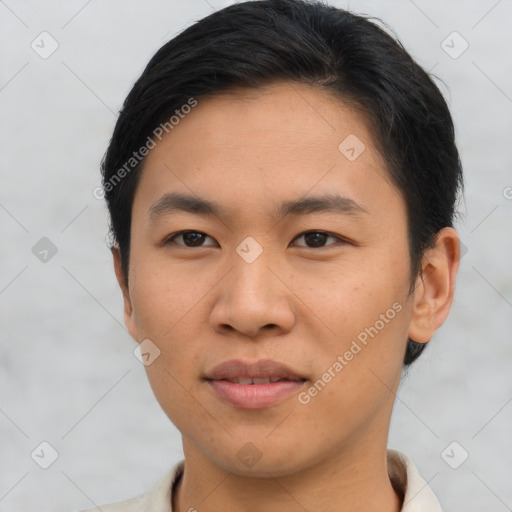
[
  {"x": 365, "y": 311},
  {"x": 168, "y": 308},
  {"x": 163, "y": 297},
  {"x": 357, "y": 371},
  {"x": 352, "y": 297}
]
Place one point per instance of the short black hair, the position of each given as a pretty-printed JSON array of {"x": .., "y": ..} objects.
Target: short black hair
[{"x": 256, "y": 43}]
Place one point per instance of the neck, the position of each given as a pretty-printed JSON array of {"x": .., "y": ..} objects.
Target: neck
[{"x": 347, "y": 481}]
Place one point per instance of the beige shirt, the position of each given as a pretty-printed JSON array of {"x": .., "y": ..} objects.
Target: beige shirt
[{"x": 418, "y": 497}]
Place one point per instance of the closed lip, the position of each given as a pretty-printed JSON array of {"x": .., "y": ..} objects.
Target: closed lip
[{"x": 236, "y": 369}]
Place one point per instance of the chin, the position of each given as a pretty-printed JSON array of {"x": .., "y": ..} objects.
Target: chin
[{"x": 260, "y": 458}]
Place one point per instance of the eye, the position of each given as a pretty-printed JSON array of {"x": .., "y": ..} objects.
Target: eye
[
  {"x": 317, "y": 239},
  {"x": 189, "y": 239},
  {"x": 313, "y": 239}
]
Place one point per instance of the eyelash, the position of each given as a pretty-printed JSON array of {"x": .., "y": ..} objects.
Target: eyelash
[{"x": 170, "y": 240}]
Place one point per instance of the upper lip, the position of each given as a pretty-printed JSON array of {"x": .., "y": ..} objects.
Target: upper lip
[{"x": 236, "y": 368}]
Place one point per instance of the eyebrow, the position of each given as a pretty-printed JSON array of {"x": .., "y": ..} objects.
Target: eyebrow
[{"x": 173, "y": 202}]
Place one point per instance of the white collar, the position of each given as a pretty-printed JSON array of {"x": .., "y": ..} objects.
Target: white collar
[{"x": 418, "y": 497}]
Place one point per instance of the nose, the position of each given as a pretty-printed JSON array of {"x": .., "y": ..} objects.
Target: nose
[{"x": 253, "y": 299}]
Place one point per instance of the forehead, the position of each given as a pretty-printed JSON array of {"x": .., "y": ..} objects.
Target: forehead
[
  {"x": 300, "y": 115},
  {"x": 284, "y": 138}
]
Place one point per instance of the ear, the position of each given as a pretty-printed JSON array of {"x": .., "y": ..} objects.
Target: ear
[
  {"x": 129, "y": 320},
  {"x": 435, "y": 286}
]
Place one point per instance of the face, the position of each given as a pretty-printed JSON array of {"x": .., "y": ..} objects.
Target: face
[{"x": 285, "y": 257}]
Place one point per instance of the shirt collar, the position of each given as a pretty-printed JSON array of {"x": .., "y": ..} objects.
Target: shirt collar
[{"x": 417, "y": 495}]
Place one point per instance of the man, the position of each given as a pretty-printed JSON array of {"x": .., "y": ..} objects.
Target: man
[{"x": 281, "y": 184}]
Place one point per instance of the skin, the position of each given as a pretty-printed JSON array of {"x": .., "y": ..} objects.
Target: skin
[{"x": 300, "y": 302}]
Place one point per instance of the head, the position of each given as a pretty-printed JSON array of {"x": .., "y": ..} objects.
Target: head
[{"x": 265, "y": 114}]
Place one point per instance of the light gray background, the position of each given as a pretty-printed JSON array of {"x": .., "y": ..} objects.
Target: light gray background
[{"x": 68, "y": 374}]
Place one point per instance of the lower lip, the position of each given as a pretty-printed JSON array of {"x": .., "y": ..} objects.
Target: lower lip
[{"x": 254, "y": 396}]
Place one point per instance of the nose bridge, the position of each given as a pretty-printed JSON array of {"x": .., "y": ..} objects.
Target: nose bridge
[
  {"x": 251, "y": 296},
  {"x": 251, "y": 277}
]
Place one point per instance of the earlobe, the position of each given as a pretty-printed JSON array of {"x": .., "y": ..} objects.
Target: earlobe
[
  {"x": 128, "y": 309},
  {"x": 435, "y": 286}
]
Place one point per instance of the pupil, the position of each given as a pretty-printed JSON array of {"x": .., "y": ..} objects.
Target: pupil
[
  {"x": 316, "y": 239},
  {"x": 193, "y": 237}
]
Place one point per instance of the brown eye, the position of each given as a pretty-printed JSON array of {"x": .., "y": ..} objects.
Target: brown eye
[
  {"x": 189, "y": 238},
  {"x": 317, "y": 239}
]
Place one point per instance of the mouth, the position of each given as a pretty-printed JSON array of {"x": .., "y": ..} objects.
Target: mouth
[
  {"x": 259, "y": 372},
  {"x": 246, "y": 381},
  {"x": 254, "y": 385}
]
